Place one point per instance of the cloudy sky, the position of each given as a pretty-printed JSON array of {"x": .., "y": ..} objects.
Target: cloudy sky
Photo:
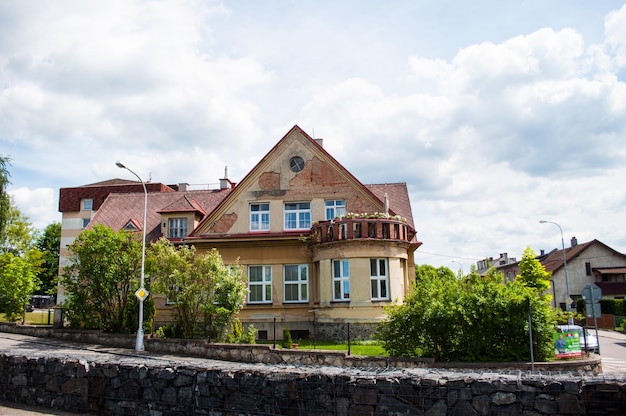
[{"x": 497, "y": 114}]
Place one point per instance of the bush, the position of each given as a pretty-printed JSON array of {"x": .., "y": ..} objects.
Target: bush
[
  {"x": 287, "y": 341},
  {"x": 238, "y": 336}
]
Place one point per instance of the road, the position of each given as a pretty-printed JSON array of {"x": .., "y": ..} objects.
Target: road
[
  {"x": 612, "y": 351},
  {"x": 612, "y": 348}
]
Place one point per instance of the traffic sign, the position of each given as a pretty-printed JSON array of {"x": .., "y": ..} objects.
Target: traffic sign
[
  {"x": 591, "y": 293},
  {"x": 142, "y": 293}
]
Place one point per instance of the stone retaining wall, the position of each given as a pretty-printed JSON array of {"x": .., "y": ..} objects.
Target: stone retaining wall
[
  {"x": 116, "y": 389},
  {"x": 266, "y": 354}
]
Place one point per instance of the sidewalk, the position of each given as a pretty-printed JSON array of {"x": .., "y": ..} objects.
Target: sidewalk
[{"x": 609, "y": 334}]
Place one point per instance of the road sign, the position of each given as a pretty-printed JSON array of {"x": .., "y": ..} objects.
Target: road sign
[
  {"x": 591, "y": 293},
  {"x": 142, "y": 293},
  {"x": 593, "y": 310}
]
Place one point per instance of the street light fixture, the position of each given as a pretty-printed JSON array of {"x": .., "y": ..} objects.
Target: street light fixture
[
  {"x": 141, "y": 293},
  {"x": 567, "y": 299},
  {"x": 460, "y": 264}
]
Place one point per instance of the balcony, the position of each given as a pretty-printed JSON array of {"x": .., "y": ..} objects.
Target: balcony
[{"x": 345, "y": 229}]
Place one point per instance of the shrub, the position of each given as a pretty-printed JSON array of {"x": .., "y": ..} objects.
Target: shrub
[{"x": 287, "y": 341}]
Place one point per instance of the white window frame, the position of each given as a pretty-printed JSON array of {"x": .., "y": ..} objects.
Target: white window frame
[
  {"x": 335, "y": 208},
  {"x": 87, "y": 204},
  {"x": 341, "y": 280},
  {"x": 177, "y": 227},
  {"x": 379, "y": 279},
  {"x": 260, "y": 217},
  {"x": 265, "y": 284},
  {"x": 299, "y": 281},
  {"x": 168, "y": 300},
  {"x": 297, "y": 215}
]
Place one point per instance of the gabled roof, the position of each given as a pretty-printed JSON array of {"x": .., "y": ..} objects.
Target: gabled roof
[
  {"x": 398, "y": 195},
  {"x": 120, "y": 209},
  {"x": 184, "y": 204},
  {"x": 554, "y": 260}
]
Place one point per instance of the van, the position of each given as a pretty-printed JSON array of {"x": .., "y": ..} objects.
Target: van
[{"x": 588, "y": 341}]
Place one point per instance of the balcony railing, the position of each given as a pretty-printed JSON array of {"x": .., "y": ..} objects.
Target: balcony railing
[{"x": 361, "y": 228}]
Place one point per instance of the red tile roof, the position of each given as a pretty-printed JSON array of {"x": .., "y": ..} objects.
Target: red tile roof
[
  {"x": 554, "y": 261},
  {"x": 118, "y": 209},
  {"x": 398, "y": 197}
]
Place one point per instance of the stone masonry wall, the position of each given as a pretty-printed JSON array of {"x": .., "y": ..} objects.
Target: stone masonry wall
[{"x": 137, "y": 389}]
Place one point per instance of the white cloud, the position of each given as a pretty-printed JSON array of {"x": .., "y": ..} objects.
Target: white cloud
[
  {"x": 40, "y": 205},
  {"x": 498, "y": 125}
]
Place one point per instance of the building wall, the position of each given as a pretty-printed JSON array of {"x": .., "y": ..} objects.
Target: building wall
[{"x": 577, "y": 277}]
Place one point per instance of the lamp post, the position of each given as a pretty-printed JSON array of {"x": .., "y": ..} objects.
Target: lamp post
[
  {"x": 460, "y": 264},
  {"x": 567, "y": 298},
  {"x": 141, "y": 293}
]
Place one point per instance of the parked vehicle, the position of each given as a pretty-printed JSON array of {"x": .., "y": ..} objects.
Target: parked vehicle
[{"x": 588, "y": 341}]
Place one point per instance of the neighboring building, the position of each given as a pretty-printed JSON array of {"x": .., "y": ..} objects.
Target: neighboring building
[
  {"x": 320, "y": 248},
  {"x": 508, "y": 266},
  {"x": 79, "y": 204},
  {"x": 591, "y": 262}
]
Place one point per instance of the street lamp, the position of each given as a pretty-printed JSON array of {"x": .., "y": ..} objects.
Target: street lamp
[
  {"x": 567, "y": 299},
  {"x": 460, "y": 264},
  {"x": 141, "y": 293}
]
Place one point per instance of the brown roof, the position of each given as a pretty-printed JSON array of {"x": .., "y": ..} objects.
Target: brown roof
[
  {"x": 118, "y": 209},
  {"x": 69, "y": 198},
  {"x": 398, "y": 197},
  {"x": 554, "y": 260}
]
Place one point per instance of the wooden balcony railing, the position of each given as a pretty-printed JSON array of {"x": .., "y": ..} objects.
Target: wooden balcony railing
[{"x": 361, "y": 228}]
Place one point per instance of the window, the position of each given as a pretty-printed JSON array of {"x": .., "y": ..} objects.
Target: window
[
  {"x": 379, "y": 279},
  {"x": 297, "y": 215},
  {"x": 334, "y": 209},
  {"x": 341, "y": 280},
  {"x": 87, "y": 204},
  {"x": 172, "y": 294},
  {"x": 259, "y": 217},
  {"x": 588, "y": 268},
  {"x": 296, "y": 283},
  {"x": 177, "y": 228},
  {"x": 260, "y": 284},
  {"x": 85, "y": 222}
]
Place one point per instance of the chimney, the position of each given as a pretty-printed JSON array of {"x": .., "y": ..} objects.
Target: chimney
[
  {"x": 225, "y": 182},
  {"x": 183, "y": 187},
  {"x": 574, "y": 242},
  {"x": 320, "y": 142},
  {"x": 542, "y": 252}
]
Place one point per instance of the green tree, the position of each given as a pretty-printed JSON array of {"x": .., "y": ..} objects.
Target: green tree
[
  {"x": 49, "y": 243},
  {"x": 477, "y": 318},
  {"x": 17, "y": 284},
  {"x": 532, "y": 273},
  {"x": 5, "y": 201},
  {"x": 19, "y": 264},
  {"x": 205, "y": 292},
  {"x": 100, "y": 280}
]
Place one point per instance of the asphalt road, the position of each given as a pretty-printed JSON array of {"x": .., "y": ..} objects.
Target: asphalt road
[{"x": 612, "y": 348}]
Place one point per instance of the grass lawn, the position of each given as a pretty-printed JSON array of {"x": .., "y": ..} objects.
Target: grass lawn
[
  {"x": 37, "y": 317},
  {"x": 367, "y": 348}
]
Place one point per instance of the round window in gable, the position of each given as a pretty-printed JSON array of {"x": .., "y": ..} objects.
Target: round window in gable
[{"x": 296, "y": 164}]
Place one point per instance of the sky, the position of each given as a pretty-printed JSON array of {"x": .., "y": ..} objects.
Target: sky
[{"x": 497, "y": 114}]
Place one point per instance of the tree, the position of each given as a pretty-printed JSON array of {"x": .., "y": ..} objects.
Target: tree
[
  {"x": 477, "y": 318},
  {"x": 5, "y": 202},
  {"x": 532, "y": 273},
  {"x": 99, "y": 281},
  {"x": 205, "y": 292},
  {"x": 49, "y": 243},
  {"x": 20, "y": 262}
]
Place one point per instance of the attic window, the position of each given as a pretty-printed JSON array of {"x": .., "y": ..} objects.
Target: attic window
[
  {"x": 177, "y": 228},
  {"x": 130, "y": 226}
]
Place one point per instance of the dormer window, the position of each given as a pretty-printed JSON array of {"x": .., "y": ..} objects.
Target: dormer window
[
  {"x": 87, "y": 204},
  {"x": 177, "y": 228}
]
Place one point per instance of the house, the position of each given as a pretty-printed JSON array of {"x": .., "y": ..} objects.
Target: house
[
  {"x": 79, "y": 204},
  {"x": 508, "y": 266},
  {"x": 320, "y": 249},
  {"x": 586, "y": 263}
]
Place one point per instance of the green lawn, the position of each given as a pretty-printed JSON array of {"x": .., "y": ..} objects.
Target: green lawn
[
  {"x": 37, "y": 317},
  {"x": 367, "y": 348}
]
